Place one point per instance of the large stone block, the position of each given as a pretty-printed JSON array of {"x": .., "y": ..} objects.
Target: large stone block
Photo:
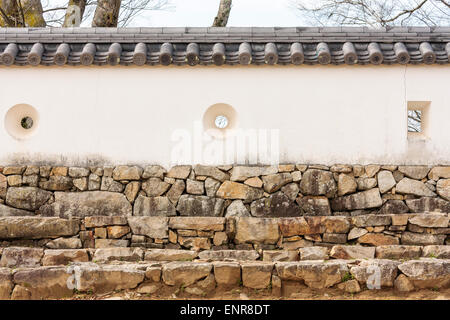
[
  {"x": 6, "y": 211},
  {"x": 414, "y": 172},
  {"x": 320, "y": 275},
  {"x": 439, "y": 252},
  {"x": 361, "y": 200},
  {"x": 443, "y": 188},
  {"x": 422, "y": 239},
  {"x": 256, "y": 275},
  {"x": 427, "y": 273},
  {"x": 256, "y": 230},
  {"x": 233, "y": 190},
  {"x": 398, "y": 252},
  {"x": 427, "y": 204},
  {"x": 376, "y": 273},
  {"x": 153, "y": 227},
  {"x": 227, "y": 273},
  {"x": 371, "y": 220},
  {"x": 43, "y": 283},
  {"x": 314, "y": 205},
  {"x": 439, "y": 172},
  {"x": 28, "y": 198},
  {"x": 119, "y": 254},
  {"x": 203, "y": 206},
  {"x": 37, "y": 227},
  {"x": 352, "y": 252},
  {"x": 430, "y": 220},
  {"x": 378, "y": 239},
  {"x": 210, "y": 171},
  {"x": 64, "y": 257},
  {"x": 154, "y": 207},
  {"x": 6, "y": 284},
  {"x": 318, "y": 182},
  {"x": 276, "y": 205},
  {"x": 169, "y": 255},
  {"x": 21, "y": 257},
  {"x": 413, "y": 187},
  {"x": 198, "y": 223},
  {"x": 274, "y": 182},
  {"x": 127, "y": 173},
  {"x": 185, "y": 273},
  {"x": 242, "y": 173},
  {"x": 90, "y": 203},
  {"x": 226, "y": 255}
]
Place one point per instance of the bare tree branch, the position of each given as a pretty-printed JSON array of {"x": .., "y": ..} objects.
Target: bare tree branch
[{"x": 221, "y": 19}]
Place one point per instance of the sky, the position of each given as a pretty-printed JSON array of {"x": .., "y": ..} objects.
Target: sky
[{"x": 201, "y": 13}]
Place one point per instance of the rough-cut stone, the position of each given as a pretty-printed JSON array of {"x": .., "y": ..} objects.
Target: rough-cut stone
[
  {"x": 414, "y": 187},
  {"x": 430, "y": 220},
  {"x": 64, "y": 243},
  {"x": 234, "y": 190},
  {"x": 90, "y": 203},
  {"x": 318, "y": 182},
  {"x": 197, "y": 223},
  {"x": 14, "y": 180},
  {"x": 42, "y": 283},
  {"x": 365, "y": 183},
  {"x": 6, "y": 284},
  {"x": 256, "y": 275},
  {"x": 3, "y": 186},
  {"x": 350, "y": 286},
  {"x": 341, "y": 168},
  {"x": 361, "y": 200},
  {"x": 131, "y": 190},
  {"x": 21, "y": 257},
  {"x": 314, "y": 205},
  {"x": 439, "y": 172},
  {"x": 414, "y": 172},
  {"x": 386, "y": 181},
  {"x": 276, "y": 205},
  {"x": 111, "y": 243},
  {"x": 77, "y": 172},
  {"x": 355, "y": 233},
  {"x": 64, "y": 257},
  {"x": 334, "y": 238},
  {"x": 117, "y": 232},
  {"x": 28, "y": 198},
  {"x": 398, "y": 252},
  {"x": 376, "y": 273},
  {"x": 256, "y": 230},
  {"x": 443, "y": 188},
  {"x": 153, "y": 207},
  {"x": 319, "y": 275},
  {"x": 108, "y": 184},
  {"x": 153, "y": 227},
  {"x": 346, "y": 184},
  {"x": 108, "y": 278},
  {"x": 352, "y": 252},
  {"x": 427, "y": 204},
  {"x": 274, "y": 182},
  {"x": 176, "y": 191},
  {"x": 291, "y": 190},
  {"x": 170, "y": 255},
  {"x": 6, "y": 211},
  {"x": 371, "y": 220},
  {"x": 211, "y": 187},
  {"x": 403, "y": 284},
  {"x": 227, "y": 273},
  {"x": 127, "y": 173},
  {"x": 195, "y": 187},
  {"x": 394, "y": 207},
  {"x": 427, "y": 273},
  {"x": 242, "y": 173},
  {"x": 81, "y": 184},
  {"x": 37, "y": 227},
  {"x": 237, "y": 209},
  {"x": 103, "y": 221},
  {"x": 154, "y": 171},
  {"x": 223, "y": 255},
  {"x": 280, "y": 255},
  {"x": 378, "y": 239},
  {"x": 179, "y": 172},
  {"x": 155, "y": 187},
  {"x": 440, "y": 252},
  {"x": 313, "y": 253},
  {"x": 94, "y": 182},
  {"x": 204, "y": 206},
  {"x": 371, "y": 170},
  {"x": 210, "y": 171},
  {"x": 185, "y": 273},
  {"x": 195, "y": 243},
  {"x": 422, "y": 239},
  {"x": 122, "y": 254},
  {"x": 254, "y": 182},
  {"x": 57, "y": 183}
]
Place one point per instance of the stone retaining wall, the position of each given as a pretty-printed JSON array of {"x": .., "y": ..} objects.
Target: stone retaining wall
[{"x": 270, "y": 191}]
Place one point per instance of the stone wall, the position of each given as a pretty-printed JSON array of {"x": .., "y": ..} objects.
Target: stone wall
[{"x": 225, "y": 207}]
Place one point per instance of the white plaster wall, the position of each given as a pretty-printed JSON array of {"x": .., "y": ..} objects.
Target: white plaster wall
[{"x": 325, "y": 114}]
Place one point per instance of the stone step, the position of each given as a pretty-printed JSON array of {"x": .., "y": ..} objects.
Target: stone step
[
  {"x": 20, "y": 257},
  {"x": 199, "y": 278}
]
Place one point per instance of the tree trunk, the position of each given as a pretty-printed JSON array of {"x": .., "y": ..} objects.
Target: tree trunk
[
  {"x": 33, "y": 13},
  {"x": 74, "y": 13},
  {"x": 221, "y": 19},
  {"x": 107, "y": 13}
]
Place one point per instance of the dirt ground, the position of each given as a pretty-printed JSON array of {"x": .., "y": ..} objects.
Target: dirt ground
[{"x": 289, "y": 293}]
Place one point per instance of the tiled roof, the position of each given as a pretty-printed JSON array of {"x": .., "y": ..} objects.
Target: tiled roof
[{"x": 235, "y": 45}]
